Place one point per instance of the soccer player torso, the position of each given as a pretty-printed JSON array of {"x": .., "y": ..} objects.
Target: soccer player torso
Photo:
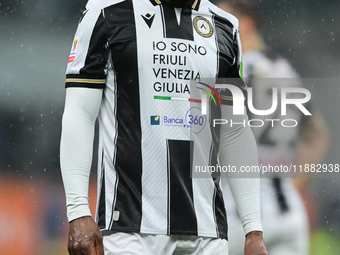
[{"x": 148, "y": 52}]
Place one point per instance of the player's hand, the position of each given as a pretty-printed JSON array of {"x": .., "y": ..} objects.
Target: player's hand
[
  {"x": 254, "y": 244},
  {"x": 85, "y": 237}
]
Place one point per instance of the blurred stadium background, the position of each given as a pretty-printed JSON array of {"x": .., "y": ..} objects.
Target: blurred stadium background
[{"x": 35, "y": 41}]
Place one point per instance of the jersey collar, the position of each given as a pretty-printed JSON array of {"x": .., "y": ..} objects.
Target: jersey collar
[{"x": 195, "y": 4}]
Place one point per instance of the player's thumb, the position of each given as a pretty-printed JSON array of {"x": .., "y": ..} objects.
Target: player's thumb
[{"x": 98, "y": 243}]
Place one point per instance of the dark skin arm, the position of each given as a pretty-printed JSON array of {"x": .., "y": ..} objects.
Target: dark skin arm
[
  {"x": 254, "y": 244},
  {"x": 85, "y": 237}
]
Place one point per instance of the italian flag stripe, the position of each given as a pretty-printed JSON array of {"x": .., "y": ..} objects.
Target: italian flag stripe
[{"x": 178, "y": 99}]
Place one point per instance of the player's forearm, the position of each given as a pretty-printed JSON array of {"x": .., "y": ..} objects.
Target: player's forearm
[
  {"x": 238, "y": 148},
  {"x": 246, "y": 192},
  {"x": 75, "y": 161},
  {"x": 76, "y": 150}
]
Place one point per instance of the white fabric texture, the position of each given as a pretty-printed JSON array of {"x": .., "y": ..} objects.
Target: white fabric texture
[
  {"x": 81, "y": 109},
  {"x": 238, "y": 148},
  {"x": 144, "y": 244},
  {"x": 76, "y": 147}
]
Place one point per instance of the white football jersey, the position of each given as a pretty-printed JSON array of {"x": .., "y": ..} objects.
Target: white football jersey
[{"x": 144, "y": 53}]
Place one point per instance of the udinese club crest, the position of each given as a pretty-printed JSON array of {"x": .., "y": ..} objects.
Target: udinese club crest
[{"x": 203, "y": 27}]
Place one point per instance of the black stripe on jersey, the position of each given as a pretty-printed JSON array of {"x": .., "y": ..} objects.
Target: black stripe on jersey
[
  {"x": 224, "y": 41},
  {"x": 154, "y": 2},
  {"x": 182, "y": 215},
  {"x": 96, "y": 58},
  {"x": 195, "y": 4},
  {"x": 184, "y": 30},
  {"x": 218, "y": 203},
  {"x": 277, "y": 182},
  {"x": 163, "y": 21},
  {"x": 92, "y": 74},
  {"x": 224, "y": 37},
  {"x": 128, "y": 160},
  {"x": 220, "y": 212},
  {"x": 101, "y": 202},
  {"x": 227, "y": 49}
]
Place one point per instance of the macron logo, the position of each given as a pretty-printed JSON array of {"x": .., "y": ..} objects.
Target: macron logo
[{"x": 148, "y": 19}]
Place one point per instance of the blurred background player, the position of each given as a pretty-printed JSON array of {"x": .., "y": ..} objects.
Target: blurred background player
[{"x": 284, "y": 217}]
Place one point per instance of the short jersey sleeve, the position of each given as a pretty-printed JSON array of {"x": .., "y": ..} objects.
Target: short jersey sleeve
[
  {"x": 235, "y": 71},
  {"x": 87, "y": 62}
]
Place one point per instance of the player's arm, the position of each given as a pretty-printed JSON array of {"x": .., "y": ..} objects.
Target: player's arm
[
  {"x": 238, "y": 148},
  {"x": 85, "y": 81},
  {"x": 312, "y": 147},
  {"x": 76, "y": 148}
]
